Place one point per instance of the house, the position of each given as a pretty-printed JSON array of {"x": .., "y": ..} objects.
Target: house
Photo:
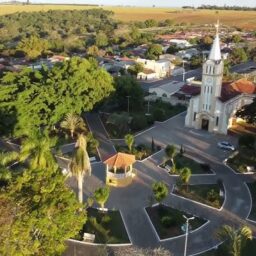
[
  {"x": 180, "y": 43},
  {"x": 166, "y": 90},
  {"x": 162, "y": 68},
  {"x": 215, "y": 107}
]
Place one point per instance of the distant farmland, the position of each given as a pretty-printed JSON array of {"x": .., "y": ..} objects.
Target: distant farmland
[{"x": 243, "y": 19}]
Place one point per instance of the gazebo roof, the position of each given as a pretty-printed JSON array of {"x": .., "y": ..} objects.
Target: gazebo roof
[{"x": 120, "y": 160}]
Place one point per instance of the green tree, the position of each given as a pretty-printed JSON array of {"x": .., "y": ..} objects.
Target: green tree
[
  {"x": 207, "y": 41},
  {"x": 39, "y": 99},
  {"x": 154, "y": 51},
  {"x": 72, "y": 123},
  {"x": 101, "y": 195},
  {"x": 160, "y": 191},
  {"x": 129, "y": 140},
  {"x": 101, "y": 39},
  {"x": 128, "y": 86},
  {"x": 248, "y": 112},
  {"x": 80, "y": 164},
  {"x": 185, "y": 175},
  {"x": 238, "y": 55},
  {"x": 33, "y": 46},
  {"x": 235, "y": 239},
  {"x": 135, "y": 69},
  {"x": 93, "y": 51},
  {"x": 171, "y": 152},
  {"x": 151, "y": 23},
  {"x": 236, "y": 39},
  {"x": 37, "y": 149}
]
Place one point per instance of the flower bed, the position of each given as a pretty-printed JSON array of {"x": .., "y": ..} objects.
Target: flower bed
[
  {"x": 108, "y": 227},
  {"x": 168, "y": 221}
]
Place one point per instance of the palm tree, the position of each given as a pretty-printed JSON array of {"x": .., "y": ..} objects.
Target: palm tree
[
  {"x": 37, "y": 150},
  {"x": 235, "y": 239},
  {"x": 80, "y": 164},
  {"x": 185, "y": 175},
  {"x": 101, "y": 195},
  {"x": 72, "y": 122},
  {"x": 129, "y": 140},
  {"x": 171, "y": 152}
]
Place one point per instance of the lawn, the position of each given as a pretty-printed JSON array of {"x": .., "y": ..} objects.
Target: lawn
[
  {"x": 168, "y": 221},
  {"x": 252, "y": 188},
  {"x": 118, "y": 123},
  {"x": 248, "y": 250},
  {"x": 182, "y": 161},
  {"x": 247, "y": 19},
  {"x": 244, "y": 158},
  {"x": 207, "y": 194},
  {"x": 108, "y": 227}
]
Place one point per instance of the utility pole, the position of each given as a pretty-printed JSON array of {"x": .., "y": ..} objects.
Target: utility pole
[
  {"x": 128, "y": 106},
  {"x": 186, "y": 238},
  {"x": 28, "y": 2}
]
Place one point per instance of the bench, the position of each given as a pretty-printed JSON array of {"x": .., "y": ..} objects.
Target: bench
[{"x": 89, "y": 237}]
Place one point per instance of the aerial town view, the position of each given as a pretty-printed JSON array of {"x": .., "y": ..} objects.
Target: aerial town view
[{"x": 127, "y": 128}]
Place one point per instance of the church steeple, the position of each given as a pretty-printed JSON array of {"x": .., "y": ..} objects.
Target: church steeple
[{"x": 215, "y": 53}]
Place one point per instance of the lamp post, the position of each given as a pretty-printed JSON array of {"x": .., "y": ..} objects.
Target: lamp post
[
  {"x": 186, "y": 238},
  {"x": 183, "y": 75}
]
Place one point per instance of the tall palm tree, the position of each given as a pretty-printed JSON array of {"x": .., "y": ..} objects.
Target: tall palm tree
[
  {"x": 185, "y": 175},
  {"x": 37, "y": 150},
  {"x": 72, "y": 122},
  {"x": 235, "y": 239},
  {"x": 80, "y": 164},
  {"x": 129, "y": 140}
]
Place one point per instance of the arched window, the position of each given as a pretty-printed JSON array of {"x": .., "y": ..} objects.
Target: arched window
[{"x": 164, "y": 95}]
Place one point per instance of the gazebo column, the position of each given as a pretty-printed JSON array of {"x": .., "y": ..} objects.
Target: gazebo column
[{"x": 114, "y": 167}]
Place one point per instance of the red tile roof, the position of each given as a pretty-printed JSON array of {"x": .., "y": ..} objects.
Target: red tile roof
[
  {"x": 231, "y": 90},
  {"x": 120, "y": 160},
  {"x": 190, "y": 90}
]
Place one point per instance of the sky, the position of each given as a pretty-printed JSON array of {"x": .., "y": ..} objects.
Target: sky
[{"x": 157, "y": 3}]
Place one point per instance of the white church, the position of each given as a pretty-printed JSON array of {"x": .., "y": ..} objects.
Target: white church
[{"x": 215, "y": 107}]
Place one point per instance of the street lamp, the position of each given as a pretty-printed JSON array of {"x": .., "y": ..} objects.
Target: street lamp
[
  {"x": 183, "y": 75},
  {"x": 186, "y": 238}
]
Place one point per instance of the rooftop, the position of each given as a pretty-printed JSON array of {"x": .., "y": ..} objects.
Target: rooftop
[{"x": 120, "y": 160}]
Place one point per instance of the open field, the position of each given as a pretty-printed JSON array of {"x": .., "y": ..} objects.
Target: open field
[{"x": 244, "y": 19}]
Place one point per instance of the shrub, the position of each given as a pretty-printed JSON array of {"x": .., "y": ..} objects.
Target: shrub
[
  {"x": 246, "y": 140},
  {"x": 205, "y": 167},
  {"x": 106, "y": 219},
  {"x": 212, "y": 196},
  {"x": 167, "y": 221},
  {"x": 139, "y": 122},
  {"x": 159, "y": 114}
]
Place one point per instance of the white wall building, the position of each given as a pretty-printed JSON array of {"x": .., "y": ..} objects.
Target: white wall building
[{"x": 214, "y": 109}]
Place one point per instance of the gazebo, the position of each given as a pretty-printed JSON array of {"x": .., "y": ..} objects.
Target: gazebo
[{"x": 119, "y": 170}]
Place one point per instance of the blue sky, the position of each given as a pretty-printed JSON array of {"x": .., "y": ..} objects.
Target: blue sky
[{"x": 159, "y": 3}]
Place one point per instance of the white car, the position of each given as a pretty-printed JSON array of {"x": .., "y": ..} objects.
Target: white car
[{"x": 226, "y": 145}]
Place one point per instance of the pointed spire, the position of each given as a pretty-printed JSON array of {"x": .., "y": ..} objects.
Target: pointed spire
[{"x": 215, "y": 53}]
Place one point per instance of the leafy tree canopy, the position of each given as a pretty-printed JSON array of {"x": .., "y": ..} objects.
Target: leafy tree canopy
[
  {"x": 160, "y": 191},
  {"x": 38, "y": 213},
  {"x": 154, "y": 51},
  {"x": 248, "y": 112},
  {"x": 128, "y": 86},
  {"x": 40, "y": 99}
]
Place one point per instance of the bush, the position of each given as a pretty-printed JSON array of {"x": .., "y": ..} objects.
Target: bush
[
  {"x": 205, "y": 167},
  {"x": 212, "y": 196},
  {"x": 106, "y": 219},
  {"x": 246, "y": 140},
  {"x": 139, "y": 122},
  {"x": 159, "y": 114},
  {"x": 167, "y": 221}
]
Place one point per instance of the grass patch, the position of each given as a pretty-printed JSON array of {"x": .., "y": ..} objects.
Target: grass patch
[
  {"x": 108, "y": 227},
  {"x": 252, "y": 188},
  {"x": 207, "y": 194},
  {"x": 244, "y": 158},
  {"x": 182, "y": 161},
  {"x": 168, "y": 221}
]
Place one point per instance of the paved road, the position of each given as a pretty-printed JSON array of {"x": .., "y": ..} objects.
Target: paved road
[
  {"x": 106, "y": 148},
  {"x": 132, "y": 199}
]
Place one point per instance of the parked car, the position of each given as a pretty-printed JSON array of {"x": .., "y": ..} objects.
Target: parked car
[{"x": 226, "y": 145}]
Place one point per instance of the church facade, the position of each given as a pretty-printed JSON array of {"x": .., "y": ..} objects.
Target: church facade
[{"x": 215, "y": 107}]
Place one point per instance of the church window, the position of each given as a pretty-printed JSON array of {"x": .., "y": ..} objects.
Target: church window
[
  {"x": 209, "y": 107},
  {"x": 204, "y": 89},
  {"x": 207, "y": 89},
  {"x": 213, "y": 70},
  {"x": 194, "y": 119},
  {"x": 211, "y": 90},
  {"x": 217, "y": 121}
]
